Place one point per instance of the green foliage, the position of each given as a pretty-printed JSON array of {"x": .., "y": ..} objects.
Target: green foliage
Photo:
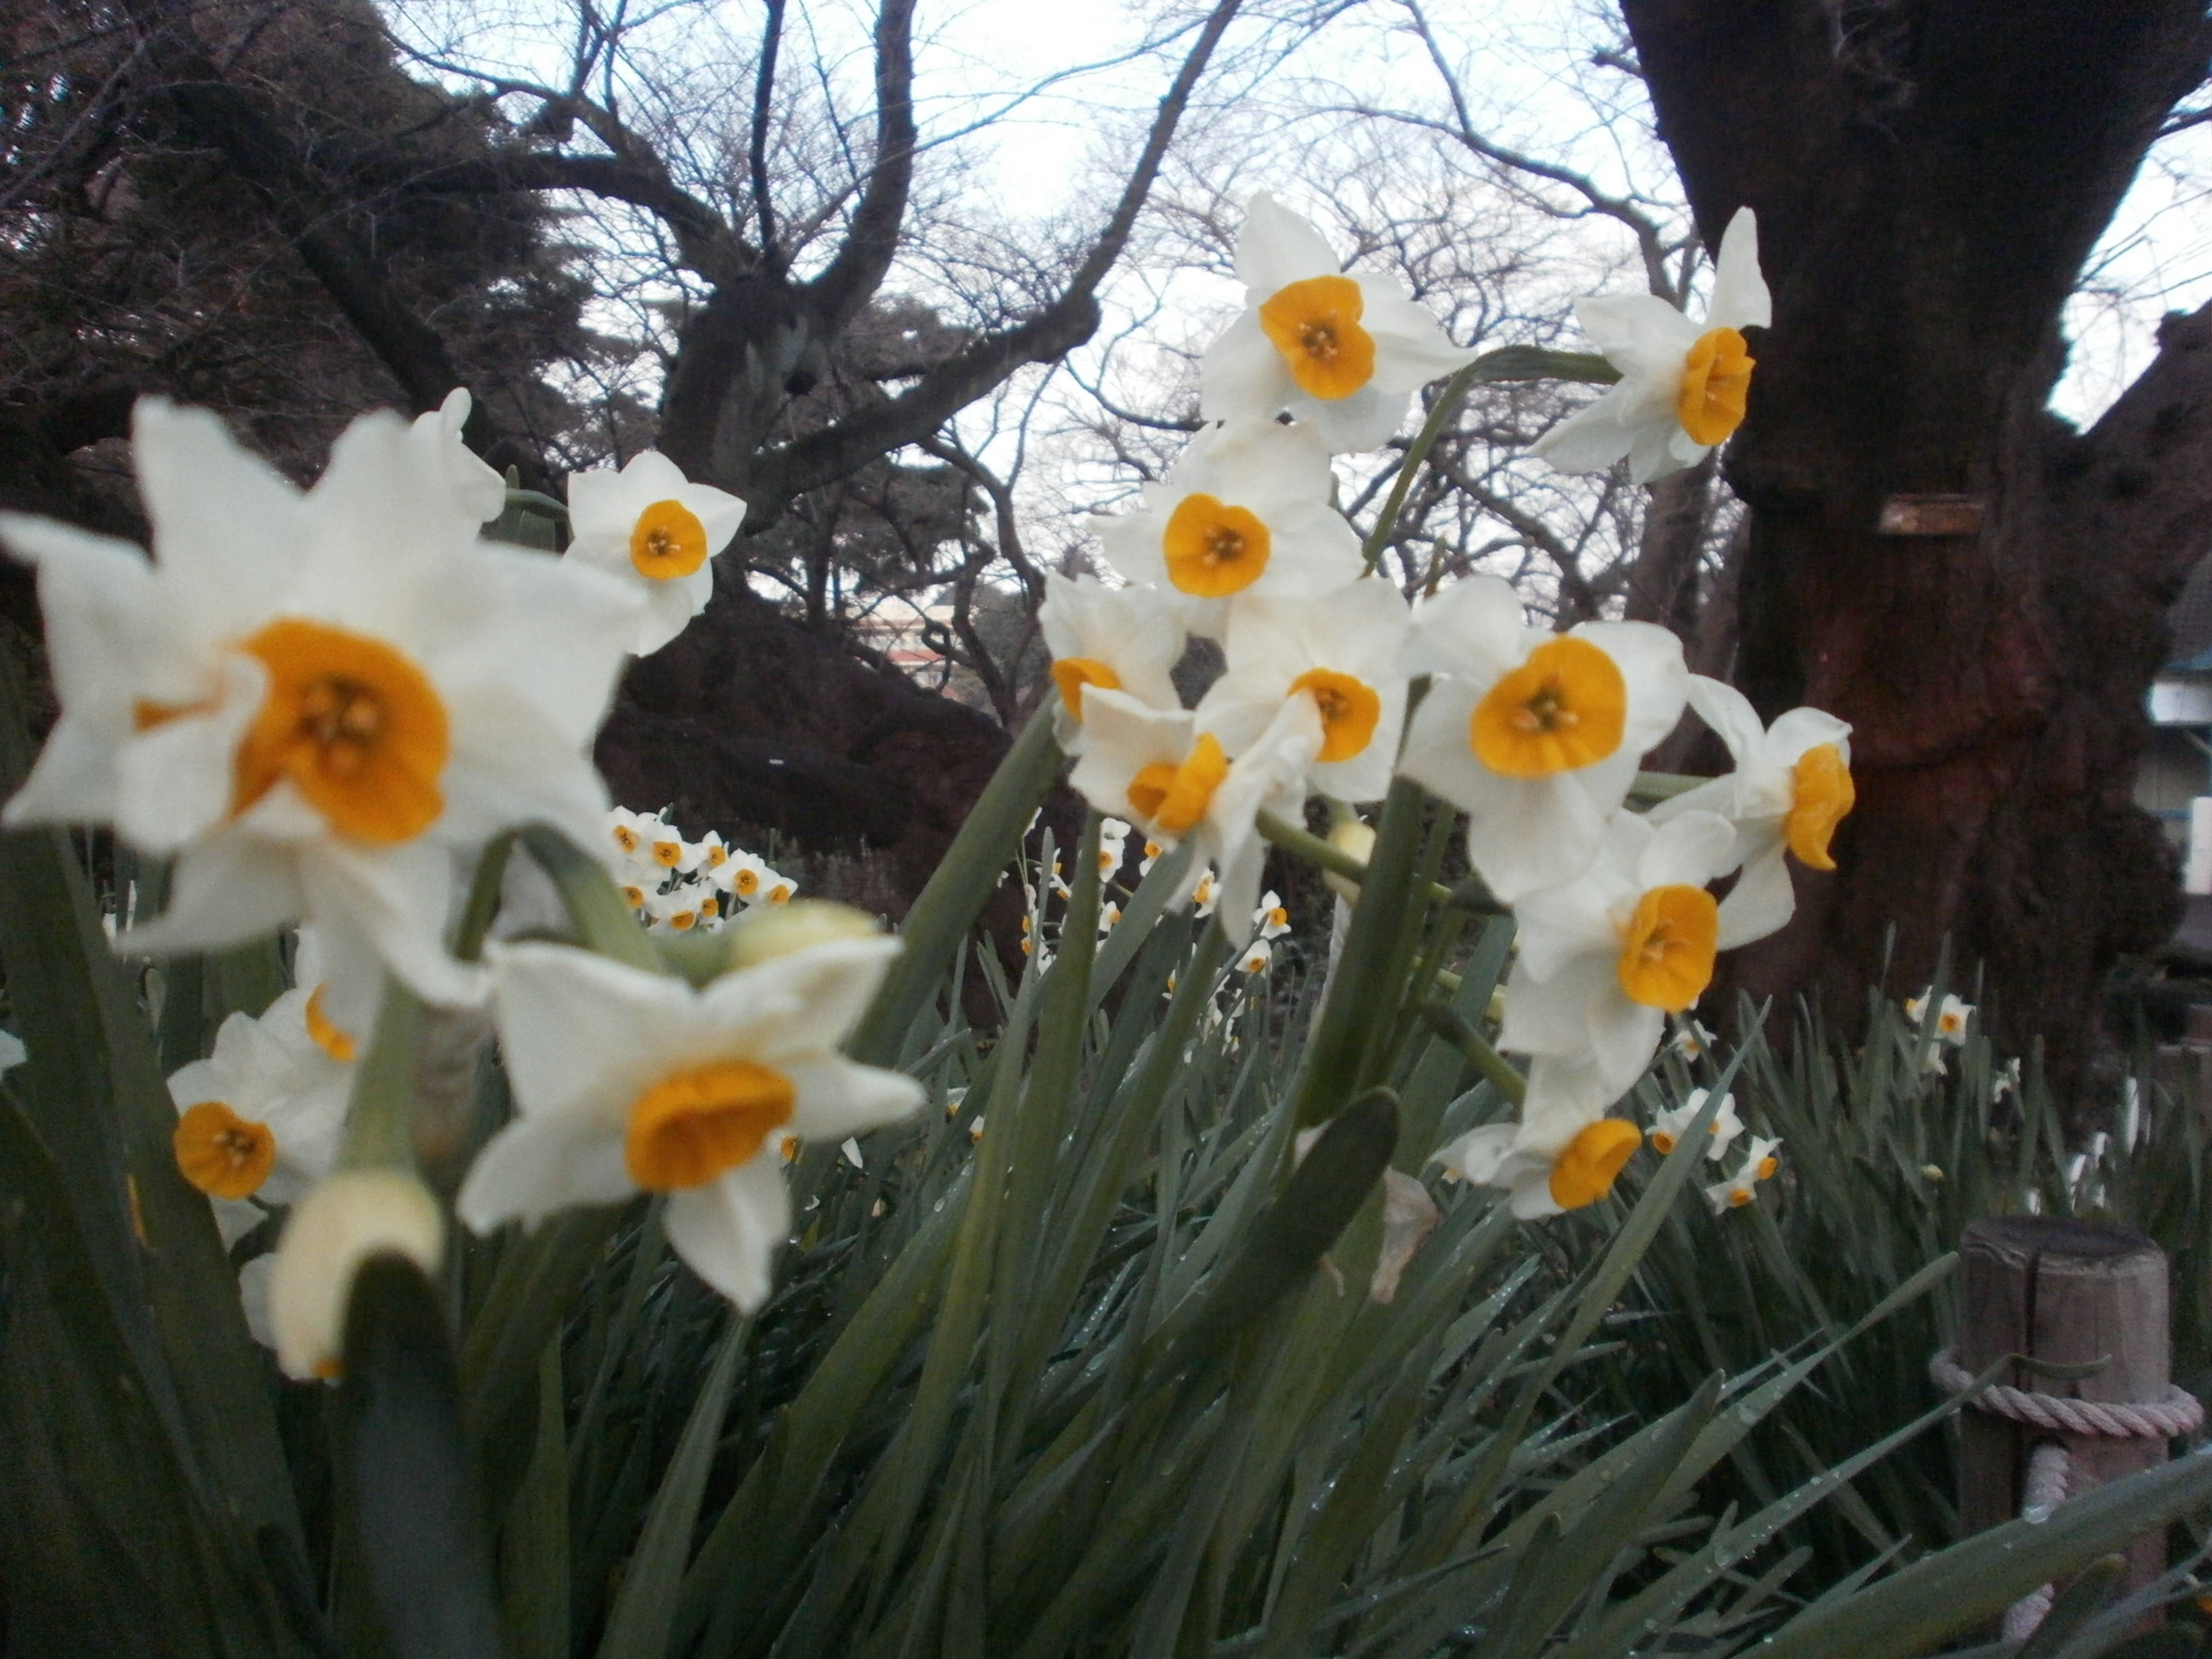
[{"x": 1081, "y": 1360}]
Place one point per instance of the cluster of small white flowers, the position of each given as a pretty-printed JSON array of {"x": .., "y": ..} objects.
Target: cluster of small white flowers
[
  {"x": 1270, "y": 918},
  {"x": 1535, "y": 736},
  {"x": 677, "y": 885}
]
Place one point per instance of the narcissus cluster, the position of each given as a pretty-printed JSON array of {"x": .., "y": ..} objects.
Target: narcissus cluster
[{"x": 1536, "y": 736}]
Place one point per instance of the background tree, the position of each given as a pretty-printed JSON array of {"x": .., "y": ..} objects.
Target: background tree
[
  {"x": 740, "y": 203},
  {"x": 1929, "y": 180}
]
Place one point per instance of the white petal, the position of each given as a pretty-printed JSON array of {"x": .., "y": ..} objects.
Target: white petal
[
  {"x": 224, "y": 892},
  {"x": 579, "y": 1030},
  {"x": 729, "y": 1230},
  {"x": 1476, "y": 1155},
  {"x": 1364, "y": 421},
  {"x": 1591, "y": 438},
  {"x": 1739, "y": 295},
  {"x": 1525, "y": 834},
  {"x": 839, "y": 1098},
  {"x": 1689, "y": 850},
  {"x": 1730, "y": 715},
  {"x": 1242, "y": 376},
  {"x": 177, "y": 781},
  {"x": 399, "y": 899},
  {"x": 1761, "y": 902},
  {"x": 1797, "y": 730},
  {"x": 226, "y": 523},
  {"x": 1277, "y": 247},
  {"x": 831, "y": 985},
  {"x": 536, "y": 1166}
]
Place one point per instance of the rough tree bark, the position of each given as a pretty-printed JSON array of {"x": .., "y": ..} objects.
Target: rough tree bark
[{"x": 1930, "y": 176}]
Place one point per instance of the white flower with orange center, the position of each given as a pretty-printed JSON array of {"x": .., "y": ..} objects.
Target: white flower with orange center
[
  {"x": 1176, "y": 780},
  {"x": 1683, "y": 385},
  {"x": 1669, "y": 1127},
  {"x": 1271, "y": 918},
  {"x": 627, "y": 1081},
  {"x": 1341, "y": 352},
  {"x": 651, "y": 526},
  {"x": 1606, "y": 958},
  {"x": 1118, "y": 639},
  {"x": 1951, "y": 1018},
  {"x": 1246, "y": 512},
  {"x": 321, "y": 704},
  {"x": 1341, "y": 651},
  {"x": 1536, "y": 736},
  {"x": 1549, "y": 1163},
  {"x": 1790, "y": 788},
  {"x": 258, "y": 1120},
  {"x": 1741, "y": 1189}
]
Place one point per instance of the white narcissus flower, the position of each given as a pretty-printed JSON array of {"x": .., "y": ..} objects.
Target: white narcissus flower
[
  {"x": 1549, "y": 1166},
  {"x": 628, "y": 1081},
  {"x": 1536, "y": 736},
  {"x": 1951, "y": 1018},
  {"x": 479, "y": 492},
  {"x": 1245, "y": 512},
  {"x": 1667, "y": 1127},
  {"x": 343, "y": 1221},
  {"x": 1118, "y": 639},
  {"x": 1178, "y": 780},
  {"x": 651, "y": 526},
  {"x": 1790, "y": 788},
  {"x": 1604, "y": 959},
  {"x": 260, "y": 1117},
  {"x": 1683, "y": 385},
  {"x": 1340, "y": 650},
  {"x": 1691, "y": 1038},
  {"x": 1343, "y": 353},
  {"x": 1759, "y": 1164},
  {"x": 1258, "y": 957},
  {"x": 321, "y": 704},
  {"x": 1270, "y": 918}
]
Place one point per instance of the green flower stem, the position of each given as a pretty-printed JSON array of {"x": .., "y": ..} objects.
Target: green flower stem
[
  {"x": 595, "y": 904},
  {"x": 1450, "y": 1025},
  {"x": 483, "y": 903},
  {"x": 1507, "y": 363},
  {"x": 1440, "y": 416},
  {"x": 380, "y": 1126},
  {"x": 1469, "y": 894},
  {"x": 1653, "y": 787}
]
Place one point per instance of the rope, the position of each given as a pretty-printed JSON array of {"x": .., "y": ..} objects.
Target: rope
[
  {"x": 2178, "y": 1413},
  {"x": 2049, "y": 1465},
  {"x": 2044, "y": 1490}
]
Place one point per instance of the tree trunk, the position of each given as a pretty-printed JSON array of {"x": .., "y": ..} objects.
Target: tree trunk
[{"x": 1928, "y": 179}]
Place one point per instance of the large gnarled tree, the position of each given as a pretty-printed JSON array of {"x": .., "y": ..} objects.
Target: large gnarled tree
[{"x": 1930, "y": 177}]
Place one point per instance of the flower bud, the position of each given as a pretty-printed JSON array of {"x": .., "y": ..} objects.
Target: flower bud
[
  {"x": 771, "y": 931},
  {"x": 352, "y": 1216},
  {"x": 1358, "y": 839}
]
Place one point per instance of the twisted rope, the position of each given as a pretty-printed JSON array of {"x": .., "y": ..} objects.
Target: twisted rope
[
  {"x": 2178, "y": 1413},
  {"x": 2049, "y": 1466}
]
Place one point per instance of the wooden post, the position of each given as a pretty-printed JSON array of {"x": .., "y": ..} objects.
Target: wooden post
[{"x": 2066, "y": 1292}]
